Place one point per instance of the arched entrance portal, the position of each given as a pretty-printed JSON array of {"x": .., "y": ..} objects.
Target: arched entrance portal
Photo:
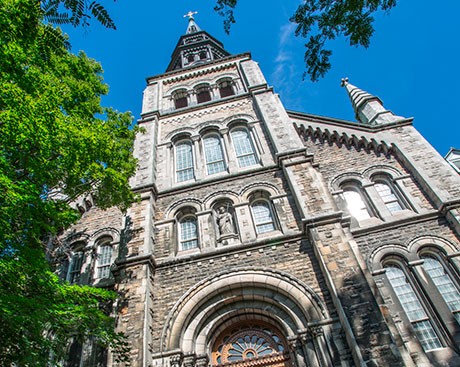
[
  {"x": 245, "y": 318},
  {"x": 251, "y": 344}
]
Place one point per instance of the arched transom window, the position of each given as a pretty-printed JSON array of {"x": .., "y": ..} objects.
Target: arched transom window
[{"x": 249, "y": 342}]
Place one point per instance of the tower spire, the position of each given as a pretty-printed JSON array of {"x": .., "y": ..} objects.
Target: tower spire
[
  {"x": 195, "y": 47},
  {"x": 192, "y": 26},
  {"x": 369, "y": 109}
]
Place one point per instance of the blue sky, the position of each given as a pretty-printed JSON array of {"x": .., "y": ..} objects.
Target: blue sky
[{"x": 412, "y": 63}]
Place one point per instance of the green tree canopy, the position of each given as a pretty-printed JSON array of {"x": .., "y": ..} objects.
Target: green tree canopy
[
  {"x": 320, "y": 21},
  {"x": 56, "y": 143}
]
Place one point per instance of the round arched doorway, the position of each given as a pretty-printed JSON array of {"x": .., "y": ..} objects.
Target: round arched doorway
[{"x": 251, "y": 344}]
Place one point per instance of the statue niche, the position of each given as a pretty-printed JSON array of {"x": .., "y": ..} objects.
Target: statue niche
[{"x": 225, "y": 223}]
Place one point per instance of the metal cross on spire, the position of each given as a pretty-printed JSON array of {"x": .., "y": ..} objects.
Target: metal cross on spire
[{"x": 190, "y": 14}]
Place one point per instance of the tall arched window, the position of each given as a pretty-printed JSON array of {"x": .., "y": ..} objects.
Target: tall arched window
[
  {"x": 188, "y": 233},
  {"x": 244, "y": 148},
  {"x": 184, "y": 161},
  {"x": 413, "y": 308},
  {"x": 76, "y": 263},
  {"x": 388, "y": 196},
  {"x": 214, "y": 154},
  {"x": 356, "y": 203},
  {"x": 444, "y": 283},
  {"x": 180, "y": 98},
  {"x": 104, "y": 259},
  {"x": 225, "y": 88},
  {"x": 203, "y": 93},
  {"x": 263, "y": 216}
]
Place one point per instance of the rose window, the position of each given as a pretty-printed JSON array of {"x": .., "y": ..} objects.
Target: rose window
[{"x": 248, "y": 342}]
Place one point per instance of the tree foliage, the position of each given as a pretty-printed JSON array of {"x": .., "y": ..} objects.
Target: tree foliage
[
  {"x": 320, "y": 21},
  {"x": 56, "y": 143},
  {"x": 76, "y": 12}
]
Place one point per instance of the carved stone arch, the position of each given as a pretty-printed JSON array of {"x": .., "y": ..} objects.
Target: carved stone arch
[
  {"x": 106, "y": 232},
  {"x": 241, "y": 118},
  {"x": 179, "y": 134},
  {"x": 209, "y": 126},
  {"x": 376, "y": 258},
  {"x": 184, "y": 86},
  {"x": 77, "y": 236},
  {"x": 226, "y": 75},
  {"x": 336, "y": 183},
  {"x": 392, "y": 172},
  {"x": 176, "y": 206},
  {"x": 248, "y": 190},
  {"x": 416, "y": 245},
  {"x": 214, "y": 197},
  {"x": 245, "y": 291},
  {"x": 205, "y": 81}
]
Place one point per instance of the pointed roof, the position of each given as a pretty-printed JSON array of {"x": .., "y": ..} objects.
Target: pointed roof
[
  {"x": 195, "y": 47},
  {"x": 192, "y": 26},
  {"x": 369, "y": 109}
]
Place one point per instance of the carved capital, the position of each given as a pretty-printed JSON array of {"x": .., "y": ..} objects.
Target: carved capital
[
  {"x": 202, "y": 360},
  {"x": 176, "y": 360},
  {"x": 189, "y": 360},
  {"x": 293, "y": 343}
]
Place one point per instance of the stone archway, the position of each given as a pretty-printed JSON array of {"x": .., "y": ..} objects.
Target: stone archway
[{"x": 248, "y": 296}]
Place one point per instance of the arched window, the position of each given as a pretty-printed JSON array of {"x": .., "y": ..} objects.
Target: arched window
[
  {"x": 180, "y": 98},
  {"x": 203, "y": 93},
  {"x": 413, "y": 308},
  {"x": 263, "y": 216},
  {"x": 388, "y": 194},
  {"x": 356, "y": 203},
  {"x": 250, "y": 342},
  {"x": 225, "y": 88},
  {"x": 76, "y": 263},
  {"x": 104, "y": 259},
  {"x": 203, "y": 55},
  {"x": 184, "y": 161},
  {"x": 214, "y": 155},
  {"x": 188, "y": 233},
  {"x": 191, "y": 58},
  {"x": 244, "y": 148},
  {"x": 444, "y": 283}
]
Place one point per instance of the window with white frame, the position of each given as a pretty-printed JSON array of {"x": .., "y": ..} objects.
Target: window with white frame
[
  {"x": 104, "y": 259},
  {"x": 444, "y": 284},
  {"x": 413, "y": 308},
  {"x": 184, "y": 161},
  {"x": 356, "y": 203},
  {"x": 188, "y": 233},
  {"x": 76, "y": 263},
  {"x": 244, "y": 148},
  {"x": 263, "y": 216},
  {"x": 214, "y": 154}
]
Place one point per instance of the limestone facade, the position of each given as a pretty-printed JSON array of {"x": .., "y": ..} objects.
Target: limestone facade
[{"x": 322, "y": 215}]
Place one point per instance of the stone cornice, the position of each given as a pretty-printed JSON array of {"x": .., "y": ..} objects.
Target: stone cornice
[
  {"x": 416, "y": 218},
  {"x": 218, "y": 252},
  {"x": 187, "y": 73},
  {"x": 347, "y": 124},
  {"x": 359, "y": 142}
]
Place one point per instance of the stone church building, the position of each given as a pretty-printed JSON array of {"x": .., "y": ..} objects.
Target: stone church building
[{"x": 272, "y": 238}]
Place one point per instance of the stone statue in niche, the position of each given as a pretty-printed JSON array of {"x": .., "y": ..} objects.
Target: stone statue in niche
[{"x": 225, "y": 220}]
